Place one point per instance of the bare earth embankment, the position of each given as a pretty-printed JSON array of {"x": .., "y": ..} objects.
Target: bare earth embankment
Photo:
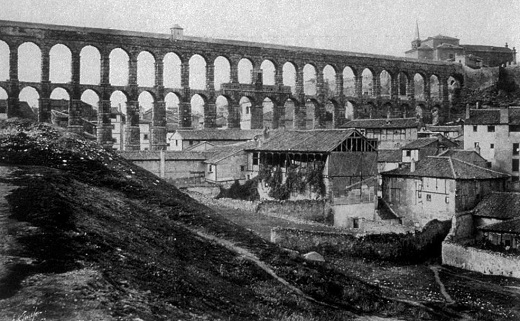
[{"x": 86, "y": 235}]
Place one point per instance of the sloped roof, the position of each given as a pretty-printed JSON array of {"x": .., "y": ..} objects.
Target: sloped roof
[
  {"x": 439, "y": 36},
  {"x": 318, "y": 140},
  {"x": 443, "y": 128},
  {"x": 446, "y": 167},
  {"x": 469, "y": 156},
  {"x": 382, "y": 123},
  {"x": 219, "y": 134},
  {"x": 221, "y": 153},
  {"x": 500, "y": 205},
  {"x": 487, "y": 48},
  {"x": 424, "y": 142},
  {"x": 491, "y": 116},
  {"x": 420, "y": 143},
  {"x": 449, "y": 45},
  {"x": 389, "y": 156},
  {"x": 509, "y": 226}
]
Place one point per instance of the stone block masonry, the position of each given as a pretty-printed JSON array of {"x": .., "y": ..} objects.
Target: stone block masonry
[{"x": 306, "y": 210}]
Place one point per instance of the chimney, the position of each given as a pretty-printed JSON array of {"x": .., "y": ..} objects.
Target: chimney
[
  {"x": 504, "y": 115},
  {"x": 477, "y": 149},
  {"x": 412, "y": 166},
  {"x": 468, "y": 111}
]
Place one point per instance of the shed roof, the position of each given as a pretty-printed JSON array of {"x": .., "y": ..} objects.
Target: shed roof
[
  {"x": 487, "y": 48},
  {"x": 509, "y": 226},
  {"x": 221, "y": 153},
  {"x": 318, "y": 140},
  {"x": 446, "y": 167},
  {"x": 382, "y": 123},
  {"x": 499, "y": 205}
]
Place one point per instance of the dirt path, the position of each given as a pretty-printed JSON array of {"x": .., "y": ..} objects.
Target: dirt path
[{"x": 435, "y": 269}]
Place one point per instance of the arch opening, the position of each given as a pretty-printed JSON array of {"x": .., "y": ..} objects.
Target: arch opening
[
  {"x": 222, "y": 72},
  {"x": 29, "y": 62},
  {"x": 349, "y": 82},
  {"x": 145, "y": 69},
  {"x": 197, "y": 111},
  {"x": 118, "y": 67},
  {"x": 289, "y": 76},
  {"x": 309, "y": 80},
  {"x": 245, "y": 70},
  {"x": 60, "y": 64},
  {"x": 268, "y": 72},
  {"x": 90, "y": 66},
  {"x": 329, "y": 81},
  {"x": 172, "y": 70},
  {"x": 4, "y": 60},
  {"x": 197, "y": 72}
]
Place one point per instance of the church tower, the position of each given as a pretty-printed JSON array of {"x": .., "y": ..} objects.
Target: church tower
[{"x": 416, "y": 43}]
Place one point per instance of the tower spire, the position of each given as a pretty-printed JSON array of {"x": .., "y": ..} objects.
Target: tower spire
[{"x": 417, "y": 30}]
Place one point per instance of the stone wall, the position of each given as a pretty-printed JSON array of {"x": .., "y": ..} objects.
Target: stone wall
[
  {"x": 462, "y": 227},
  {"x": 409, "y": 247},
  {"x": 308, "y": 210},
  {"x": 479, "y": 260},
  {"x": 479, "y": 79}
]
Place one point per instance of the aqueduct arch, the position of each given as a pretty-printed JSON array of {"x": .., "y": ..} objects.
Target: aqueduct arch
[{"x": 167, "y": 48}]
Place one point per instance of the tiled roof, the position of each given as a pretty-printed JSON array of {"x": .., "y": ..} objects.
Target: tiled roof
[
  {"x": 509, "y": 226},
  {"x": 221, "y": 153},
  {"x": 449, "y": 45},
  {"x": 469, "y": 156},
  {"x": 491, "y": 116},
  {"x": 389, "y": 155},
  {"x": 443, "y": 128},
  {"x": 420, "y": 143},
  {"x": 220, "y": 134},
  {"x": 382, "y": 123},
  {"x": 439, "y": 36},
  {"x": 486, "y": 48},
  {"x": 320, "y": 140},
  {"x": 501, "y": 205},
  {"x": 446, "y": 167}
]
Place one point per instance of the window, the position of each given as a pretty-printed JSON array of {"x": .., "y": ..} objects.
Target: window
[
  {"x": 355, "y": 223},
  {"x": 447, "y": 199},
  {"x": 242, "y": 168},
  {"x": 475, "y": 128},
  {"x": 515, "y": 165},
  {"x": 515, "y": 179},
  {"x": 176, "y": 142},
  {"x": 476, "y": 144},
  {"x": 408, "y": 153},
  {"x": 428, "y": 197},
  {"x": 145, "y": 136},
  {"x": 514, "y": 128},
  {"x": 491, "y": 146},
  {"x": 255, "y": 158},
  {"x": 190, "y": 142},
  {"x": 210, "y": 168},
  {"x": 516, "y": 148},
  {"x": 491, "y": 129}
]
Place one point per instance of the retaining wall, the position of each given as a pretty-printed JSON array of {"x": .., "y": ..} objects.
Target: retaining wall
[
  {"x": 307, "y": 210},
  {"x": 479, "y": 260},
  {"x": 409, "y": 247}
]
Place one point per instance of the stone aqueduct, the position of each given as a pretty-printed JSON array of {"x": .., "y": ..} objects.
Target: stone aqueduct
[{"x": 45, "y": 37}]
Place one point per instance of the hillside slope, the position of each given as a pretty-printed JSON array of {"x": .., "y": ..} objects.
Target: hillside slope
[{"x": 86, "y": 235}]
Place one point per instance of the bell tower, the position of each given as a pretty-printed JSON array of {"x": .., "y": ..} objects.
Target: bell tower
[{"x": 416, "y": 43}]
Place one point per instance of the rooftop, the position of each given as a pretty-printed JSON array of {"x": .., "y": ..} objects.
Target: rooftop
[
  {"x": 446, "y": 167},
  {"x": 500, "y": 205},
  {"x": 491, "y": 116},
  {"x": 221, "y": 153},
  {"x": 322, "y": 140},
  {"x": 469, "y": 156},
  {"x": 510, "y": 226},
  {"x": 389, "y": 155},
  {"x": 382, "y": 123}
]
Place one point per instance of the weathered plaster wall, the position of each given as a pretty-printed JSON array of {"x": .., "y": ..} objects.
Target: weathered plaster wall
[
  {"x": 478, "y": 260},
  {"x": 317, "y": 211}
]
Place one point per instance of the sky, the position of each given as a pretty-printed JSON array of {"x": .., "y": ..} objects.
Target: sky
[{"x": 369, "y": 26}]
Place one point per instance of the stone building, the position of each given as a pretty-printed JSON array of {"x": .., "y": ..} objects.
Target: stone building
[
  {"x": 444, "y": 48},
  {"x": 227, "y": 164},
  {"x": 423, "y": 147},
  {"x": 345, "y": 159},
  {"x": 497, "y": 219},
  {"x": 437, "y": 187},
  {"x": 183, "y": 139},
  {"x": 495, "y": 134},
  {"x": 391, "y": 133}
]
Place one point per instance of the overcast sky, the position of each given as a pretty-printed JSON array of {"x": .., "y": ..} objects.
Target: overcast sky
[{"x": 370, "y": 26}]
